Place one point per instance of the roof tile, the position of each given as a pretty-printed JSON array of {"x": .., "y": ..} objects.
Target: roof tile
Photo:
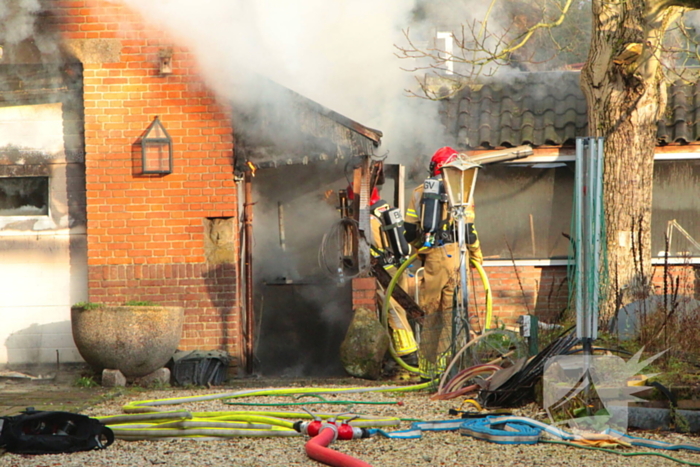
[{"x": 549, "y": 108}]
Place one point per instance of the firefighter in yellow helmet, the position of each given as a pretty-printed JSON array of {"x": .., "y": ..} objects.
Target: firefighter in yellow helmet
[
  {"x": 430, "y": 226},
  {"x": 402, "y": 337}
]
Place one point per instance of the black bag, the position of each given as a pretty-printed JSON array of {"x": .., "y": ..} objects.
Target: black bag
[{"x": 38, "y": 432}]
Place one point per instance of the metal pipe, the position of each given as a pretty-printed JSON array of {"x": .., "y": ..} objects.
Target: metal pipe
[
  {"x": 532, "y": 236},
  {"x": 249, "y": 312},
  {"x": 578, "y": 234},
  {"x": 588, "y": 236},
  {"x": 492, "y": 157},
  {"x": 343, "y": 200},
  {"x": 280, "y": 219},
  {"x": 599, "y": 232}
]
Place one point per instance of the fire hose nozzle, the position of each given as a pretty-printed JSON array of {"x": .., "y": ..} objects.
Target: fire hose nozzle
[
  {"x": 346, "y": 432},
  {"x": 308, "y": 428}
]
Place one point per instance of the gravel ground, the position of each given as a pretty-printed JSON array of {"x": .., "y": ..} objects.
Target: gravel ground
[{"x": 434, "y": 449}]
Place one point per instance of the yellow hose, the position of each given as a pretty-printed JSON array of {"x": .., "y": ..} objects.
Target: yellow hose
[
  {"x": 227, "y": 424},
  {"x": 140, "y": 406},
  {"x": 137, "y": 425},
  {"x": 208, "y": 432},
  {"x": 230, "y": 424},
  {"x": 390, "y": 289},
  {"x": 487, "y": 291},
  {"x": 385, "y": 310}
]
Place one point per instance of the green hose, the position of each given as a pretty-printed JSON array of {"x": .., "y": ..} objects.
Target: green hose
[{"x": 628, "y": 454}]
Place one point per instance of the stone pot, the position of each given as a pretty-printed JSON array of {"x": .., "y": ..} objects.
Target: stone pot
[{"x": 135, "y": 340}]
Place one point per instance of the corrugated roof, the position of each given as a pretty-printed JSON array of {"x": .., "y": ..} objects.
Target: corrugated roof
[{"x": 549, "y": 109}]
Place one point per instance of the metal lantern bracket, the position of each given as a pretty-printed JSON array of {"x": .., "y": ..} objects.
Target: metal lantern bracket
[
  {"x": 460, "y": 179},
  {"x": 156, "y": 150}
]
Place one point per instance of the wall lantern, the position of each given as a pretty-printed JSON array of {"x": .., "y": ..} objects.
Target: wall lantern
[
  {"x": 165, "y": 61},
  {"x": 460, "y": 180},
  {"x": 156, "y": 150}
]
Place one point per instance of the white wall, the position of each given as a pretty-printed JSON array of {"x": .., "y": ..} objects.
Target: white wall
[
  {"x": 41, "y": 276},
  {"x": 43, "y": 258}
]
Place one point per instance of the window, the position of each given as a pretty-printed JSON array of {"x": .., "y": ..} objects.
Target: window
[
  {"x": 676, "y": 208},
  {"x": 522, "y": 210},
  {"x": 24, "y": 196}
]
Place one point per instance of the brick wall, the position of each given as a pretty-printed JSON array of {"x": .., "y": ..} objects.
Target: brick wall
[
  {"x": 146, "y": 233},
  {"x": 686, "y": 277},
  {"x": 542, "y": 291},
  {"x": 539, "y": 290},
  {"x": 364, "y": 293}
]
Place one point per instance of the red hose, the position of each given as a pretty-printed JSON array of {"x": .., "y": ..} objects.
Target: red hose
[
  {"x": 317, "y": 449},
  {"x": 457, "y": 393},
  {"x": 452, "y": 388}
]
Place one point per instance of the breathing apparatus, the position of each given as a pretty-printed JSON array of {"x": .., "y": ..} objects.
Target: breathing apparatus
[
  {"x": 393, "y": 227},
  {"x": 392, "y": 246},
  {"x": 433, "y": 204},
  {"x": 433, "y": 209}
]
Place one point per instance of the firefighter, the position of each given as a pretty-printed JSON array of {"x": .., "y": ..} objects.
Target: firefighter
[
  {"x": 402, "y": 337},
  {"x": 429, "y": 225}
]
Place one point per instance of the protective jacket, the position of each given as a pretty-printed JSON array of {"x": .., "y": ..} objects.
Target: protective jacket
[{"x": 440, "y": 273}]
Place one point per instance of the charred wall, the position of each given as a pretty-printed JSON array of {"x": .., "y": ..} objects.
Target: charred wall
[{"x": 302, "y": 312}]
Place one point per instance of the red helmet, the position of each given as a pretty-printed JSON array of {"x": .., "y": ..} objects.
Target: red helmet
[
  {"x": 441, "y": 157},
  {"x": 374, "y": 197}
]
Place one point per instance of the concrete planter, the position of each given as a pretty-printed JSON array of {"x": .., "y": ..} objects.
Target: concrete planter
[{"x": 135, "y": 340}]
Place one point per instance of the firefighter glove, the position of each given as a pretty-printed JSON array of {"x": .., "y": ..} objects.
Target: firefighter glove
[{"x": 472, "y": 237}]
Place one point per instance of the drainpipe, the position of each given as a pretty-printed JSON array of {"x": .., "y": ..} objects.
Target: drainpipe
[{"x": 249, "y": 313}]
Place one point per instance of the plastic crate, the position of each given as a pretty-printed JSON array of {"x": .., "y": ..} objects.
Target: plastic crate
[{"x": 199, "y": 367}]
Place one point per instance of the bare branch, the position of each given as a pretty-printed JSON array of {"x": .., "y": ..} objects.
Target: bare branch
[{"x": 524, "y": 38}]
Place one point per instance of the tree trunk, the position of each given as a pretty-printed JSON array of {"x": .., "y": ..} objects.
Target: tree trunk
[{"x": 626, "y": 95}]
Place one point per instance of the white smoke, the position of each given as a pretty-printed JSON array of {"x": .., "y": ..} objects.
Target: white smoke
[
  {"x": 20, "y": 24},
  {"x": 17, "y": 19},
  {"x": 340, "y": 54}
]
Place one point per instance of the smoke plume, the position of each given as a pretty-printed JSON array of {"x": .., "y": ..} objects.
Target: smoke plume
[
  {"x": 340, "y": 54},
  {"x": 20, "y": 23},
  {"x": 18, "y": 20}
]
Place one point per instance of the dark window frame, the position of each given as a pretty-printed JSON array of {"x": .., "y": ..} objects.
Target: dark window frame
[
  {"x": 657, "y": 257},
  {"x": 13, "y": 200}
]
